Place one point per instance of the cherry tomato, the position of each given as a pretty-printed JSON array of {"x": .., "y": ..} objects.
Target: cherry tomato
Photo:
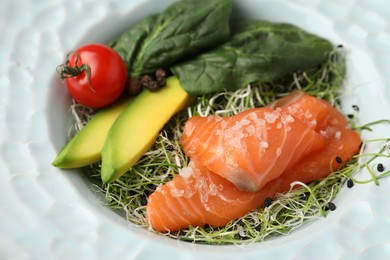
[{"x": 95, "y": 75}]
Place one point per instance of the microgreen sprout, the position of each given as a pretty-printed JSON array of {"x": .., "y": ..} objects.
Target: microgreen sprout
[{"x": 283, "y": 213}]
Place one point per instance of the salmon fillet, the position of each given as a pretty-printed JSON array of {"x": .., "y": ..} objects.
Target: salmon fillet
[
  {"x": 251, "y": 148},
  {"x": 315, "y": 113},
  {"x": 199, "y": 196}
]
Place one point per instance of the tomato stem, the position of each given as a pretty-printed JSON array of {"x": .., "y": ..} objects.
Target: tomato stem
[{"x": 67, "y": 71}]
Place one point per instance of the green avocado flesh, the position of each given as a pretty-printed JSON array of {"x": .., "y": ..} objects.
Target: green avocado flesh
[
  {"x": 138, "y": 126},
  {"x": 85, "y": 147}
]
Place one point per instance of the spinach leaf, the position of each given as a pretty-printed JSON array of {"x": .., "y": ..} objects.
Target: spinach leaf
[
  {"x": 258, "y": 51},
  {"x": 185, "y": 28},
  {"x": 130, "y": 42}
]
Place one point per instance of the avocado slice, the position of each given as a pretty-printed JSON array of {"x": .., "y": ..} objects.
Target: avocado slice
[
  {"x": 138, "y": 126},
  {"x": 86, "y": 146}
]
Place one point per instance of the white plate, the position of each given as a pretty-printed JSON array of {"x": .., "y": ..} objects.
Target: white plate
[{"x": 50, "y": 214}]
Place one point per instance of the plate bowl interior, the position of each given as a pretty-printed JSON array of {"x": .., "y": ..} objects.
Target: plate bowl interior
[{"x": 309, "y": 17}]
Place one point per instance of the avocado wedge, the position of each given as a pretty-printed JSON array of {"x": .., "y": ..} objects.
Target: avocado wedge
[
  {"x": 138, "y": 126},
  {"x": 86, "y": 146}
]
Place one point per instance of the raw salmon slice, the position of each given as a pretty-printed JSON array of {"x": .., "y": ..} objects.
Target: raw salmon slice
[
  {"x": 343, "y": 143},
  {"x": 198, "y": 196},
  {"x": 315, "y": 113},
  {"x": 251, "y": 148}
]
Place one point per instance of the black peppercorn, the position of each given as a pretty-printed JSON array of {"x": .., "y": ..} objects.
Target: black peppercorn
[
  {"x": 338, "y": 159},
  {"x": 330, "y": 206},
  {"x": 355, "y": 107},
  {"x": 267, "y": 202},
  {"x": 350, "y": 183},
  {"x": 380, "y": 167}
]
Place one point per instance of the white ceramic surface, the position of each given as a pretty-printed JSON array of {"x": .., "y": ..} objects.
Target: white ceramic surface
[{"x": 46, "y": 213}]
